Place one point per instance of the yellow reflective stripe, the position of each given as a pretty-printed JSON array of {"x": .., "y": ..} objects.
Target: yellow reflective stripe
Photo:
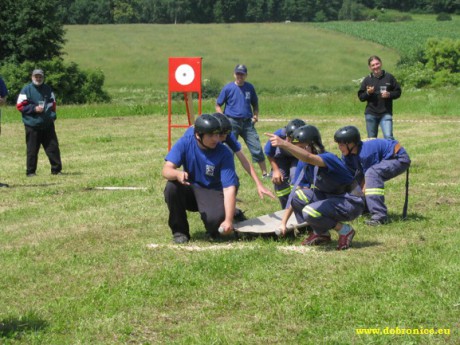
[
  {"x": 311, "y": 212},
  {"x": 283, "y": 192},
  {"x": 375, "y": 191},
  {"x": 301, "y": 195}
]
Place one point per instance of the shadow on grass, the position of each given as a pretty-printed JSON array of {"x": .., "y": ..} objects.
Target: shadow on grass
[
  {"x": 16, "y": 327},
  {"x": 411, "y": 217},
  {"x": 34, "y": 185}
]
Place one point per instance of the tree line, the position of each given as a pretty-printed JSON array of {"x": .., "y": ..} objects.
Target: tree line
[{"x": 232, "y": 11}]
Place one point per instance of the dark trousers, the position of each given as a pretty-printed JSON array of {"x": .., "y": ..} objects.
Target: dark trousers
[
  {"x": 48, "y": 138},
  {"x": 181, "y": 198}
]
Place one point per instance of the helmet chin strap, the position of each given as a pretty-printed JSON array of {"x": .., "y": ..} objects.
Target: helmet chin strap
[
  {"x": 350, "y": 149},
  {"x": 201, "y": 142}
]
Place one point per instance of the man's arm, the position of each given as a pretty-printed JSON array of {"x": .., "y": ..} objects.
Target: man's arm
[
  {"x": 171, "y": 173},
  {"x": 229, "y": 205},
  {"x": 261, "y": 190},
  {"x": 286, "y": 216},
  {"x": 219, "y": 109},
  {"x": 296, "y": 151},
  {"x": 277, "y": 176}
]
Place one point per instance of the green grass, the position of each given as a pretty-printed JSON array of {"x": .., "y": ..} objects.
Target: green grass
[
  {"x": 76, "y": 267},
  {"x": 280, "y": 57},
  {"x": 283, "y": 59},
  {"x": 404, "y": 37}
]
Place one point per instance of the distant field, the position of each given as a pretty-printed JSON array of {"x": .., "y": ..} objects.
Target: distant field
[
  {"x": 404, "y": 37},
  {"x": 280, "y": 57}
]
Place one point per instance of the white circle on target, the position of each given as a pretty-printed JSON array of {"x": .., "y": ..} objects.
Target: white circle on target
[{"x": 185, "y": 74}]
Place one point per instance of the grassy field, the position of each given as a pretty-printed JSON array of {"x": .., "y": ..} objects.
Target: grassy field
[
  {"x": 82, "y": 265},
  {"x": 404, "y": 37},
  {"x": 296, "y": 57},
  {"x": 77, "y": 267}
]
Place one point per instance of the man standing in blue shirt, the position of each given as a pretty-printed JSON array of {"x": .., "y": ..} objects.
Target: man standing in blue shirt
[
  {"x": 242, "y": 108},
  {"x": 207, "y": 182},
  {"x": 3, "y": 94}
]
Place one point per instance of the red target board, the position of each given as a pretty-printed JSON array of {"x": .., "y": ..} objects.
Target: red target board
[
  {"x": 184, "y": 77},
  {"x": 185, "y": 74}
]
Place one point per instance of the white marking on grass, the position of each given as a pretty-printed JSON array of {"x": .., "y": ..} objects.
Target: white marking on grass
[
  {"x": 439, "y": 184},
  {"x": 359, "y": 120},
  {"x": 228, "y": 246}
]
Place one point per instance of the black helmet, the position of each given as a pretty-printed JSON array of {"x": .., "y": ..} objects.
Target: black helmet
[
  {"x": 292, "y": 126},
  {"x": 225, "y": 124},
  {"x": 207, "y": 124},
  {"x": 347, "y": 135},
  {"x": 308, "y": 134}
]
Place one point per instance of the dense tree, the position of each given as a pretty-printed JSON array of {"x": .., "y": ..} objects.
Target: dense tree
[
  {"x": 232, "y": 11},
  {"x": 31, "y": 30}
]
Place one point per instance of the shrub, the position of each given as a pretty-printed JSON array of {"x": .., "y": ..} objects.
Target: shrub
[
  {"x": 443, "y": 17},
  {"x": 414, "y": 76},
  {"x": 70, "y": 84},
  {"x": 210, "y": 88},
  {"x": 438, "y": 65},
  {"x": 443, "y": 54},
  {"x": 445, "y": 78}
]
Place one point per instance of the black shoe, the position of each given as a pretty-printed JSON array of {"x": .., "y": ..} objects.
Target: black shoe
[
  {"x": 180, "y": 238},
  {"x": 4, "y": 185},
  {"x": 56, "y": 173},
  {"x": 239, "y": 216},
  {"x": 215, "y": 237},
  {"x": 31, "y": 175}
]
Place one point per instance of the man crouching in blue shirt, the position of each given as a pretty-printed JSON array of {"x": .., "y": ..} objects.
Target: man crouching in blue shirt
[{"x": 206, "y": 184}]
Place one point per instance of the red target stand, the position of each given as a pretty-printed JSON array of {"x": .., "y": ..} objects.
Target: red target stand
[{"x": 184, "y": 77}]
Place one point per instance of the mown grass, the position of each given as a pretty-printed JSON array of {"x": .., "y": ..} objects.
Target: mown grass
[
  {"x": 281, "y": 58},
  {"x": 76, "y": 263},
  {"x": 77, "y": 269}
]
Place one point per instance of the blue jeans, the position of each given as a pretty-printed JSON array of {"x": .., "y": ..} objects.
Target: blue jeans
[
  {"x": 386, "y": 124},
  {"x": 245, "y": 128}
]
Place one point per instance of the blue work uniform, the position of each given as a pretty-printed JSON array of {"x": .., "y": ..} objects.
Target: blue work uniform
[
  {"x": 378, "y": 160},
  {"x": 333, "y": 197},
  {"x": 209, "y": 171},
  {"x": 287, "y": 164},
  {"x": 239, "y": 104}
]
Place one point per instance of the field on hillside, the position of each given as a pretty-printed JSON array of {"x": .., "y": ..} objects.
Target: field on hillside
[
  {"x": 295, "y": 58},
  {"x": 88, "y": 266},
  {"x": 281, "y": 58},
  {"x": 405, "y": 37}
]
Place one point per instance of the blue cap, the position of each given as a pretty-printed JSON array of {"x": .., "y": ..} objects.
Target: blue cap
[{"x": 241, "y": 69}]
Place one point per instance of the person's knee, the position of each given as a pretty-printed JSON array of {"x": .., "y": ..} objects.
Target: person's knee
[
  {"x": 171, "y": 191},
  {"x": 212, "y": 220}
]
